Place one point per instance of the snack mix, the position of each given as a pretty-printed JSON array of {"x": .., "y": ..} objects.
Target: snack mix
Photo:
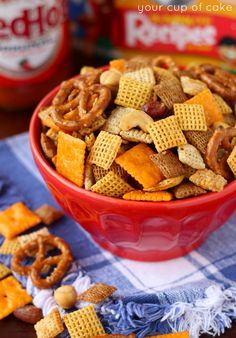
[
  {"x": 144, "y": 130},
  {"x": 33, "y": 255}
]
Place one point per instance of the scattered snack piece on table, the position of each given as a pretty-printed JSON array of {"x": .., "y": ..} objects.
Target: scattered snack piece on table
[
  {"x": 97, "y": 293},
  {"x": 83, "y": 323},
  {"x": 4, "y": 271},
  {"x": 50, "y": 326},
  {"x": 17, "y": 219},
  {"x": 157, "y": 196},
  {"x": 70, "y": 158},
  {"x": 10, "y": 246},
  {"x": 65, "y": 296},
  {"x": 48, "y": 214},
  {"x": 29, "y": 314},
  {"x": 208, "y": 180},
  {"x": 172, "y": 335},
  {"x": 118, "y": 130},
  {"x": 136, "y": 161},
  {"x": 24, "y": 239},
  {"x": 61, "y": 262},
  {"x": 12, "y": 296}
]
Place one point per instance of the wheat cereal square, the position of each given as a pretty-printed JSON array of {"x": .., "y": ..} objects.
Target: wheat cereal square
[{"x": 50, "y": 326}]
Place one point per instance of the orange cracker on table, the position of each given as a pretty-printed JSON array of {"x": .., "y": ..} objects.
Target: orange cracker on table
[
  {"x": 17, "y": 219},
  {"x": 48, "y": 214},
  {"x": 172, "y": 335},
  {"x": 157, "y": 196},
  {"x": 50, "y": 326},
  {"x": 133, "y": 93},
  {"x": 136, "y": 161},
  {"x": 70, "y": 158},
  {"x": 12, "y": 296},
  {"x": 105, "y": 149},
  {"x": 83, "y": 323},
  {"x": 166, "y": 133},
  {"x": 97, "y": 293},
  {"x": 207, "y": 100},
  {"x": 111, "y": 185}
]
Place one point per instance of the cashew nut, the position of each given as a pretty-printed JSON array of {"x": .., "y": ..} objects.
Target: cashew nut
[
  {"x": 135, "y": 118},
  {"x": 87, "y": 70},
  {"x": 110, "y": 78}
]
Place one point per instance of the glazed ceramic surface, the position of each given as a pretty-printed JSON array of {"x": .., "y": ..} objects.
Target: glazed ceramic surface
[{"x": 146, "y": 231}]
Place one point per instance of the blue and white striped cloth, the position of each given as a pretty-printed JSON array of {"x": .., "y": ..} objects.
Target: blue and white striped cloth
[{"x": 195, "y": 293}]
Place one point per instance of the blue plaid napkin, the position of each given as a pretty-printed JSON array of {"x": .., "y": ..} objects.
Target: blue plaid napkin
[{"x": 196, "y": 293}]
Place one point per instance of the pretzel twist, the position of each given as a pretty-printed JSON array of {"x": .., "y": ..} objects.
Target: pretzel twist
[
  {"x": 84, "y": 105},
  {"x": 39, "y": 245},
  {"x": 165, "y": 61},
  {"x": 221, "y": 137},
  {"x": 218, "y": 80}
]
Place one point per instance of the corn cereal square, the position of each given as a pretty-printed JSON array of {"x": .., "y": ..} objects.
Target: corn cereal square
[
  {"x": 105, "y": 149},
  {"x": 206, "y": 99},
  {"x": 190, "y": 117},
  {"x": 133, "y": 93},
  {"x": 166, "y": 134}
]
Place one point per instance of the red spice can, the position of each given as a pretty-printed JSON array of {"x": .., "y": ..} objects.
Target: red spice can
[{"x": 34, "y": 49}]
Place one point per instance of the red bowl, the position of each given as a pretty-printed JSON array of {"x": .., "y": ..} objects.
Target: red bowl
[{"x": 145, "y": 231}]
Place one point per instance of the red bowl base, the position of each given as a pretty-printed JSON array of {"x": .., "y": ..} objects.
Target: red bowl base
[{"x": 148, "y": 256}]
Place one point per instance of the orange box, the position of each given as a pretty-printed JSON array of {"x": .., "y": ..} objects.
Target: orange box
[{"x": 191, "y": 30}]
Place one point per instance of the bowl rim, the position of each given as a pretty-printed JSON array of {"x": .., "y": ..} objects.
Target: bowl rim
[{"x": 173, "y": 204}]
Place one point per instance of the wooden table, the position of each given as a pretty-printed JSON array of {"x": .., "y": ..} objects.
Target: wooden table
[{"x": 13, "y": 123}]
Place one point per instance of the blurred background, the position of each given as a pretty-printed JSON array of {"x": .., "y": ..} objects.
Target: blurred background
[{"x": 43, "y": 42}]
